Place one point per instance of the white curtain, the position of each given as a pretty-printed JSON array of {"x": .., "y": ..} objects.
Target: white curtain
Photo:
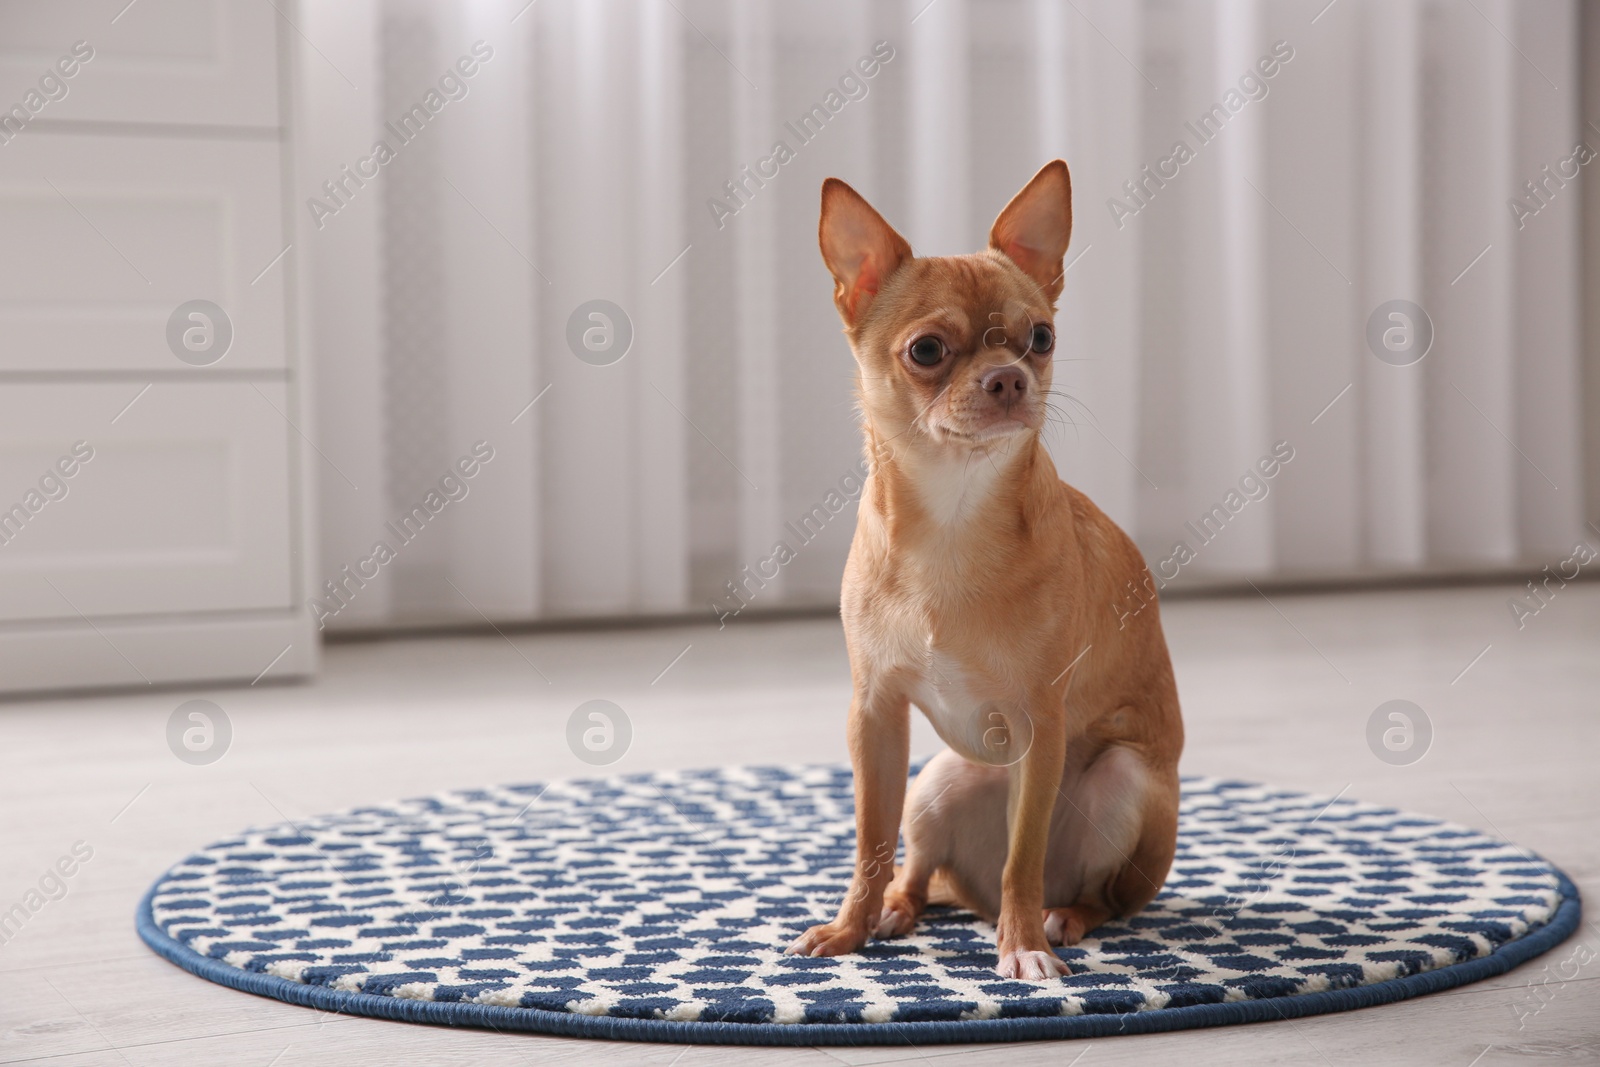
[{"x": 1215, "y": 323}]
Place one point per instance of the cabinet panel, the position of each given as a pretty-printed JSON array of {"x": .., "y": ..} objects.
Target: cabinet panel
[
  {"x": 175, "y": 502},
  {"x": 105, "y": 237},
  {"x": 209, "y": 62}
]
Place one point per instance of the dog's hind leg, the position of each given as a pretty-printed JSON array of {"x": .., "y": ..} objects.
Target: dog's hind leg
[
  {"x": 926, "y": 845},
  {"x": 904, "y": 900},
  {"x": 1113, "y": 842},
  {"x": 1066, "y": 926},
  {"x": 950, "y": 808}
]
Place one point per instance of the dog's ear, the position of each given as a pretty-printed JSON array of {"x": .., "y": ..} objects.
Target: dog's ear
[
  {"x": 860, "y": 249},
  {"x": 1035, "y": 227}
]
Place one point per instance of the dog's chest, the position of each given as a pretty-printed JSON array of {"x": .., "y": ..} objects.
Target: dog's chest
[
  {"x": 960, "y": 704},
  {"x": 944, "y": 689}
]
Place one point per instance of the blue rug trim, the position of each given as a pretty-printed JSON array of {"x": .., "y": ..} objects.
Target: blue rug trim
[{"x": 485, "y": 1016}]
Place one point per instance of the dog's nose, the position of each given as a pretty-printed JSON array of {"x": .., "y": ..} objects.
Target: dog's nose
[{"x": 1004, "y": 383}]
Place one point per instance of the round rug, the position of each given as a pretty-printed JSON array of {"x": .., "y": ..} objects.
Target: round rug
[{"x": 657, "y": 907}]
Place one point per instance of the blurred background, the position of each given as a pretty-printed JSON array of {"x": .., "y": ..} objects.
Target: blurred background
[
  {"x": 467, "y": 360},
  {"x": 1345, "y": 233}
]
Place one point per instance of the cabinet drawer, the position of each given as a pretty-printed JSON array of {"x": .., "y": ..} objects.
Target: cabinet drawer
[
  {"x": 184, "y": 505},
  {"x": 211, "y": 62},
  {"x": 104, "y": 238}
]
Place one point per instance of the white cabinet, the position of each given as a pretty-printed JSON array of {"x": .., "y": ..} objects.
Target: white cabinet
[{"x": 153, "y": 479}]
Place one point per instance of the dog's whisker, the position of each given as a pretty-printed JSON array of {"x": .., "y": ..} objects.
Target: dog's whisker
[{"x": 1068, "y": 396}]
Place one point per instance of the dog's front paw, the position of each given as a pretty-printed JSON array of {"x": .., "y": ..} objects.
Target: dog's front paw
[
  {"x": 1031, "y": 965},
  {"x": 829, "y": 939}
]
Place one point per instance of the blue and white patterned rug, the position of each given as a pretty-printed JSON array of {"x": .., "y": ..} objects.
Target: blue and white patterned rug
[{"x": 657, "y": 907}]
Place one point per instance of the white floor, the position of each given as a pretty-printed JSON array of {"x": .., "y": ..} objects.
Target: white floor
[{"x": 1278, "y": 692}]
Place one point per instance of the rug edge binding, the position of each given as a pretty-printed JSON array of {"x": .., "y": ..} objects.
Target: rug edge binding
[{"x": 486, "y": 1016}]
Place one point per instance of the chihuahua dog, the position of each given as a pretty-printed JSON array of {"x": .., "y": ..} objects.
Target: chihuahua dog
[{"x": 981, "y": 588}]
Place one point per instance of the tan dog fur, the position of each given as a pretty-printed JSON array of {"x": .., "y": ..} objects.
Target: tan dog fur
[{"x": 981, "y": 588}]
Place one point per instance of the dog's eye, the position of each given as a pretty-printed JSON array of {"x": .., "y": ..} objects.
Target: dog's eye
[
  {"x": 927, "y": 351},
  {"x": 1043, "y": 340}
]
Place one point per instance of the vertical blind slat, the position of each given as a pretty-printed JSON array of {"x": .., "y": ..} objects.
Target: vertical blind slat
[
  {"x": 590, "y": 425},
  {"x": 1472, "y": 492},
  {"x": 1311, "y": 158},
  {"x": 938, "y": 59},
  {"x": 755, "y": 294},
  {"x": 1390, "y": 225},
  {"x": 1546, "y": 274},
  {"x": 663, "y": 531},
  {"x": 345, "y": 256},
  {"x": 490, "y": 319}
]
